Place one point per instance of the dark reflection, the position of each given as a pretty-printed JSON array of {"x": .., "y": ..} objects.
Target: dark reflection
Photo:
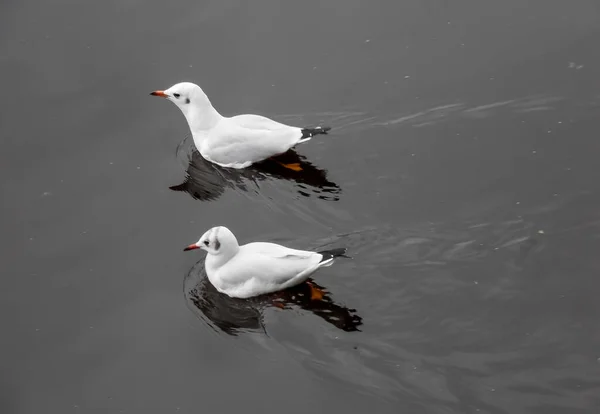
[
  {"x": 207, "y": 181},
  {"x": 233, "y": 316}
]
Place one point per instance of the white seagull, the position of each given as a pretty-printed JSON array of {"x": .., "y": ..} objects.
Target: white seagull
[
  {"x": 235, "y": 142},
  {"x": 256, "y": 268}
]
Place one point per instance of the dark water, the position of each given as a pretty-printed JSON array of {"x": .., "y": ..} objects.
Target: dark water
[{"x": 462, "y": 174}]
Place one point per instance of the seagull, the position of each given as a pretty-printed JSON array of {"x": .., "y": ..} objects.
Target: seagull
[
  {"x": 257, "y": 268},
  {"x": 238, "y": 141}
]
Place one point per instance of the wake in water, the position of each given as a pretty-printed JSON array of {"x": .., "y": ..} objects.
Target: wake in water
[
  {"x": 206, "y": 181},
  {"x": 234, "y": 316}
]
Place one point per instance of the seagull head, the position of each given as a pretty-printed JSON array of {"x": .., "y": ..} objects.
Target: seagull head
[
  {"x": 184, "y": 95},
  {"x": 218, "y": 240},
  {"x": 194, "y": 105}
]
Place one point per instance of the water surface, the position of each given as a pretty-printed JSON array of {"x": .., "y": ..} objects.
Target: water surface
[{"x": 461, "y": 174}]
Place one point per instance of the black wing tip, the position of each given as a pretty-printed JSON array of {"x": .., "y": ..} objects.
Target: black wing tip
[
  {"x": 333, "y": 253},
  {"x": 309, "y": 132},
  {"x": 323, "y": 129}
]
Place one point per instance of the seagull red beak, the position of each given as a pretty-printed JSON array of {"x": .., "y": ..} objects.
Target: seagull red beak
[
  {"x": 190, "y": 247},
  {"x": 162, "y": 94}
]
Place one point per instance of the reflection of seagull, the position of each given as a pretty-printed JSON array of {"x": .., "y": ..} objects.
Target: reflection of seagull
[
  {"x": 256, "y": 268},
  {"x": 235, "y": 142},
  {"x": 206, "y": 181},
  {"x": 232, "y": 315},
  {"x": 228, "y": 314}
]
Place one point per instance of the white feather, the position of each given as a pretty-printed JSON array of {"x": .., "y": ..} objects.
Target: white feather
[
  {"x": 234, "y": 142},
  {"x": 254, "y": 268}
]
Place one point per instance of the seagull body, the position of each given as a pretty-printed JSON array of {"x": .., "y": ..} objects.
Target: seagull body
[
  {"x": 234, "y": 142},
  {"x": 256, "y": 268}
]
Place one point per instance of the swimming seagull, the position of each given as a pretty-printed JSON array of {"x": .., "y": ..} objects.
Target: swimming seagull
[
  {"x": 256, "y": 268},
  {"x": 235, "y": 142}
]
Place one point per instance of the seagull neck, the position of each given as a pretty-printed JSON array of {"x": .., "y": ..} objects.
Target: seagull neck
[
  {"x": 218, "y": 260},
  {"x": 202, "y": 118}
]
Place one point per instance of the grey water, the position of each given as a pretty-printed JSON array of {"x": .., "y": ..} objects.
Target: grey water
[{"x": 461, "y": 173}]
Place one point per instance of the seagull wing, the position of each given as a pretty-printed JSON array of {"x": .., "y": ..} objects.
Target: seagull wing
[
  {"x": 233, "y": 145},
  {"x": 267, "y": 267},
  {"x": 258, "y": 122}
]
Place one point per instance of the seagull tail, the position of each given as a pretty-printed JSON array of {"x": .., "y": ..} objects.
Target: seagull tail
[{"x": 311, "y": 132}]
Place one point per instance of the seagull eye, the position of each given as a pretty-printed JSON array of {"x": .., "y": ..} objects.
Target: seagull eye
[
  {"x": 176, "y": 95},
  {"x": 206, "y": 242}
]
